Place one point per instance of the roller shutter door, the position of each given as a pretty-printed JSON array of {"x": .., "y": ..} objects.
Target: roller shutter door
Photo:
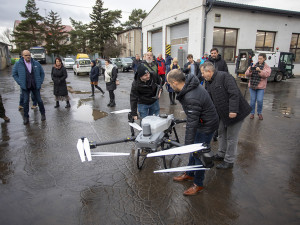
[
  {"x": 156, "y": 42},
  {"x": 179, "y": 42}
]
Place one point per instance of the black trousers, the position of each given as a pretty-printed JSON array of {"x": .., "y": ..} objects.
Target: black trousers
[{"x": 2, "y": 110}]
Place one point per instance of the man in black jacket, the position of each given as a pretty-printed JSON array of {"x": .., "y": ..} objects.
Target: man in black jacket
[
  {"x": 202, "y": 120},
  {"x": 232, "y": 108},
  {"x": 217, "y": 61},
  {"x": 192, "y": 67},
  {"x": 143, "y": 93},
  {"x": 137, "y": 61}
]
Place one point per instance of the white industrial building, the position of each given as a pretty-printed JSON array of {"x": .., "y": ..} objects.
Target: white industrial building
[{"x": 195, "y": 26}]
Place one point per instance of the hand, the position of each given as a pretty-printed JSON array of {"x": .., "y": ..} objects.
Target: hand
[
  {"x": 249, "y": 68},
  {"x": 189, "y": 66},
  {"x": 232, "y": 115},
  {"x": 258, "y": 69},
  {"x": 159, "y": 93},
  {"x": 135, "y": 117}
]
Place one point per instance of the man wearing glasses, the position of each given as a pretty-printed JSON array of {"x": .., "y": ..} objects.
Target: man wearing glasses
[{"x": 29, "y": 74}]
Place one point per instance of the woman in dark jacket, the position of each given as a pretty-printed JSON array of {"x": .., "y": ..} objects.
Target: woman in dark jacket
[
  {"x": 110, "y": 77},
  {"x": 94, "y": 78},
  {"x": 59, "y": 75}
]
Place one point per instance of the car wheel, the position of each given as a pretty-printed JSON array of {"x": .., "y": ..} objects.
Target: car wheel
[{"x": 278, "y": 77}]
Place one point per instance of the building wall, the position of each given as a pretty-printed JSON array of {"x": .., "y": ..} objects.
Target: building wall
[
  {"x": 245, "y": 21},
  {"x": 248, "y": 23},
  {"x": 132, "y": 41},
  {"x": 178, "y": 12}
]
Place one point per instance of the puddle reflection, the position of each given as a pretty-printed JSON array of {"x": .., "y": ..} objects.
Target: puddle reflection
[{"x": 85, "y": 113}]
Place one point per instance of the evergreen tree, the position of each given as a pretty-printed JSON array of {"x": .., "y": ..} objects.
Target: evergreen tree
[
  {"x": 56, "y": 38},
  {"x": 102, "y": 26},
  {"x": 135, "y": 19},
  {"x": 28, "y": 33},
  {"x": 79, "y": 37}
]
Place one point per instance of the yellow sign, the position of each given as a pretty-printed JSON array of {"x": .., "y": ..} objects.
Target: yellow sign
[
  {"x": 149, "y": 49},
  {"x": 168, "y": 49}
]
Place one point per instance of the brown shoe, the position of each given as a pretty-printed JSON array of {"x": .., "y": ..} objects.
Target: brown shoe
[
  {"x": 33, "y": 107},
  {"x": 252, "y": 116},
  {"x": 20, "y": 107},
  {"x": 193, "y": 190},
  {"x": 260, "y": 117},
  {"x": 183, "y": 177}
]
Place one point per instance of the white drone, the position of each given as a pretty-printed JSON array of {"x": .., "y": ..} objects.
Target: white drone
[{"x": 154, "y": 134}]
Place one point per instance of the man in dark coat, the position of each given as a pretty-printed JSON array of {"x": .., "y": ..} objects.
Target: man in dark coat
[
  {"x": 192, "y": 67},
  {"x": 216, "y": 59},
  {"x": 29, "y": 74},
  {"x": 143, "y": 92},
  {"x": 137, "y": 61},
  {"x": 232, "y": 108},
  {"x": 202, "y": 120},
  {"x": 220, "y": 65}
]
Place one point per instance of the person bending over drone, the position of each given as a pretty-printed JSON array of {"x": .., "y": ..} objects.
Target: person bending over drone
[
  {"x": 202, "y": 120},
  {"x": 145, "y": 92}
]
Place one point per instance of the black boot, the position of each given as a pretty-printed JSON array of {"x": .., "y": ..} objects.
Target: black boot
[
  {"x": 171, "y": 98},
  {"x": 109, "y": 103},
  {"x": 57, "y": 104},
  {"x": 113, "y": 103},
  {"x": 68, "y": 105},
  {"x": 93, "y": 90}
]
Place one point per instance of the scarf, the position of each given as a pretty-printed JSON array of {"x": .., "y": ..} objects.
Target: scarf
[
  {"x": 255, "y": 78},
  {"x": 57, "y": 67},
  {"x": 108, "y": 72}
]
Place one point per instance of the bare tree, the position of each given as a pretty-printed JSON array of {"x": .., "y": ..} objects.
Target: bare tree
[{"x": 5, "y": 36}]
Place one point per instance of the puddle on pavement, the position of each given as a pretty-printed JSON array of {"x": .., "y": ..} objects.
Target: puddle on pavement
[
  {"x": 71, "y": 90},
  {"x": 85, "y": 113}
]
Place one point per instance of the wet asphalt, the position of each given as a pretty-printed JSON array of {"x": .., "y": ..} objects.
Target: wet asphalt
[{"x": 43, "y": 181}]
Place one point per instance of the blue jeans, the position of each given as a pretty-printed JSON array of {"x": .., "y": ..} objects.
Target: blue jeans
[
  {"x": 148, "y": 110},
  {"x": 21, "y": 103},
  {"x": 256, "y": 96},
  {"x": 199, "y": 174},
  {"x": 37, "y": 97}
]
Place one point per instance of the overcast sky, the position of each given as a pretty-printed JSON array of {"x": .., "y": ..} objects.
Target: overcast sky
[{"x": 80, "y": 9}]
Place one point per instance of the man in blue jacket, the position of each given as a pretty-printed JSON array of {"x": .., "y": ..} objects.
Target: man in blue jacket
[{"x": 29, "y": 74}]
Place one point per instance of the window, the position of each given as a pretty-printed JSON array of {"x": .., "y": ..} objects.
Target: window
[
  {"x": 295, "y": 47},
  {"x": 217, "y": 17},
  {"x": 225, "y": 40},
  {"x": 265, "y": 41}
]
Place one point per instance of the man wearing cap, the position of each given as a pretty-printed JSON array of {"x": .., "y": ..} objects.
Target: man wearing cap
[{"x": 143, "y": 93}]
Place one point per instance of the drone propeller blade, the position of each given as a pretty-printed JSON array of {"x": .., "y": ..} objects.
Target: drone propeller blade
[
  {"x": 136, "y": 126},
  {"x": 109, "y": 154},
  {"x": 178, "y": 150},
  {"x": 181, "y": 169},
  {"x": 121, "y": 111},
  {"x": 80, "y": 150},
  {"x": 87, "y": 149}
]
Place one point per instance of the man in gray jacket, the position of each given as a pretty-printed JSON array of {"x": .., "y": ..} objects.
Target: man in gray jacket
[{"x": 232, "y": 108}]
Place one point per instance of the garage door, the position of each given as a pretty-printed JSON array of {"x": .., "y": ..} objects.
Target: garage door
[
  {"x": 156, "y": 42},
  {"x": 179, "y": 42}
]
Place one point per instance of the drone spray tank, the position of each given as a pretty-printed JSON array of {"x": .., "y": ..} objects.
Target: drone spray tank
[{"x": 152, "y": 134}]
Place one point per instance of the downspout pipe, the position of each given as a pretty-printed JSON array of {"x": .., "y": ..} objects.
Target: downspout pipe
[{"x": 208, "y": 7}]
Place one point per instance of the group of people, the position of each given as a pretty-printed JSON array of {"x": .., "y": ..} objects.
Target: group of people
[{"x": 218, "y": 105}]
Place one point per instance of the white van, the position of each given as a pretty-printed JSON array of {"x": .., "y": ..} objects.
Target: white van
[{"x": 82, "y": 66}]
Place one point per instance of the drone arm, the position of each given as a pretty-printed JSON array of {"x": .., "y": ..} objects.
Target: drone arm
[
  {"x": 95, "y": 144},
  {"x": 173, "y": 143}
]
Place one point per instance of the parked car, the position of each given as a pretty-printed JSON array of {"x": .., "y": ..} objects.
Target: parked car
[
  {"x": 101, "y": 65},
  {"x": 82, "y": 66},
  {"x": 68, "y": 63},
  {"x": 123, "y": 63}
]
